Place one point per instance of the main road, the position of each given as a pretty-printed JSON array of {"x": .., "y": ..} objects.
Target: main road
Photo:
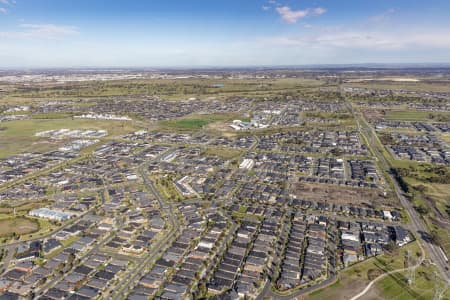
[
  {"x": 158, "y": 246},
  {"x": 416, "y": 224}
]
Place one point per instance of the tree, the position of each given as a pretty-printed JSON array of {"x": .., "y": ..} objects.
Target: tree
[
  {"x": 421, "y": 209},
  {"x": 435, "y": 238},
  {"x": 420, "y": 188},
  {"x": 392, "y": 247}
]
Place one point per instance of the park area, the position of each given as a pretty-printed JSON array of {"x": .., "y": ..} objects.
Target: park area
[{"x": 195, "y": 122}]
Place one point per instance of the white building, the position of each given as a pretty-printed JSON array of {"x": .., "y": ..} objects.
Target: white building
[
  {"x": 248, "y": 163},
  {"x": 53, "y": 215},
  {"x": 387, "y": 214}
]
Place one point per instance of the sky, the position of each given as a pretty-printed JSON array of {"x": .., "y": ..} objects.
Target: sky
[{"x": 218, "y": 33}]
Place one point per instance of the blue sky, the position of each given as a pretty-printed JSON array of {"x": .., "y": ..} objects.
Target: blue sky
[{"x": 185, "y": 33}]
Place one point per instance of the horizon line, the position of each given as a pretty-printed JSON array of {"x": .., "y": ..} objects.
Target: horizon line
[{"x": 231, "y": 67}]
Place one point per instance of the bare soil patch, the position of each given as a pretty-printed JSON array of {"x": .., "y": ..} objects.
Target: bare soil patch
[
  {"x": 18, "y": 226},
  {"x": 337, "y": 194},
  {"x": 344, "y": 289}
]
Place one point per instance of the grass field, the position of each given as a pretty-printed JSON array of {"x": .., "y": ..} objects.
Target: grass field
[
  {"x": 355, "y": 278},
  {"x": 187, "y": 123},
  {"x": 171, "y": 89},
  {"x": 445, "y": 137},
  {"x": 396, "y": 286},
  {"x": 166, "y": 188},
  {"x": 432, "y": 195},
  {"x": 445, "y": 239},
  {"x": 338, "y": 194},
  {"x": 18, "y": 226},
  {"x": 419, "y": 116},
  {"x": 222, "y": 152},
  {"x": 70, "y": 241},
  {"x": 427, "y": 193},
  {"x": 439, "y": 193},
  {"x": 407, "y": 115},
  {"x": 49, "y": 116},
  {"x": 22, "y": 208},
  {"x": 30, "y": 127},
  {"x": 194, "y": 122},
  {"x": 442, "y": 86}
]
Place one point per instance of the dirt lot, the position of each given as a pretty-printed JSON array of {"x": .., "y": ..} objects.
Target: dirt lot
[
  {"x": 373, "y": 114},
  {"x": 337, "y": 194},
  {"x": 343, "y": 289},
  {"x": 21, "y": 208},
  {"x": 18, "y": 225},
  {"x": 220, "y": 128}
]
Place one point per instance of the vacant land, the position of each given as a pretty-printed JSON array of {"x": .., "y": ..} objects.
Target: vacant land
[
  {"x": 446, "y": 137},
  {"x": 170, "y": 89},
  {"x": 223, "y": 152},
  {"x": 338, "y": 194},
  {"x": 21, "y": 208},
  {"x": 396, "y": 286},
  {"x": 343, "y": 289},
  {"x": 30, "y": 127},
  {"x": 419, "y": 116},
  {"x": 18, "y": 226},
  {"x": 355, "y": 278},
  {"x": 430, "y": 192},
  {"x": 18, "y": 136},
  {"x": 423, "y": 85},
  {"x": 343, "y": 119}
]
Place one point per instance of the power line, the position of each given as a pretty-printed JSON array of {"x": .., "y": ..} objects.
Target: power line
[
  {"x": 439, "y": 287},
  {"x": 412, "y": 270}
]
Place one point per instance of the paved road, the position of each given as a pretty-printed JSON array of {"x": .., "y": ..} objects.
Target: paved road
[
  {"x": 384, "y": 275},
  {"x": 157, "y": 247},
  {"x": 9, "y": 256},
  {"x": 267, "y": 291},
  {"x": 51, "y": 233},
  {"x": 56, "y": 279},
  {"x": 46, "y": 170},
  {"x": 416, "y": 224}
]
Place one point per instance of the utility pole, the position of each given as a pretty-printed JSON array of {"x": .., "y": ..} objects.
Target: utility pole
[
  {"x": 439, "y": 288},
  {"x": 411, "y": 271}
]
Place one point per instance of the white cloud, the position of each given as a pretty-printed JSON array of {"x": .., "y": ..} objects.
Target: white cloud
[
  {"x": 265, "y": 8},
  {"x": 292, "y": 16},
  {"x": 318, "y": 11},
  {"x": 383, "y": 16},
  {"x": 364, "y": 40},
  {"x": 3, "y": 10},
  {"x": 49, "y": 31}
]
